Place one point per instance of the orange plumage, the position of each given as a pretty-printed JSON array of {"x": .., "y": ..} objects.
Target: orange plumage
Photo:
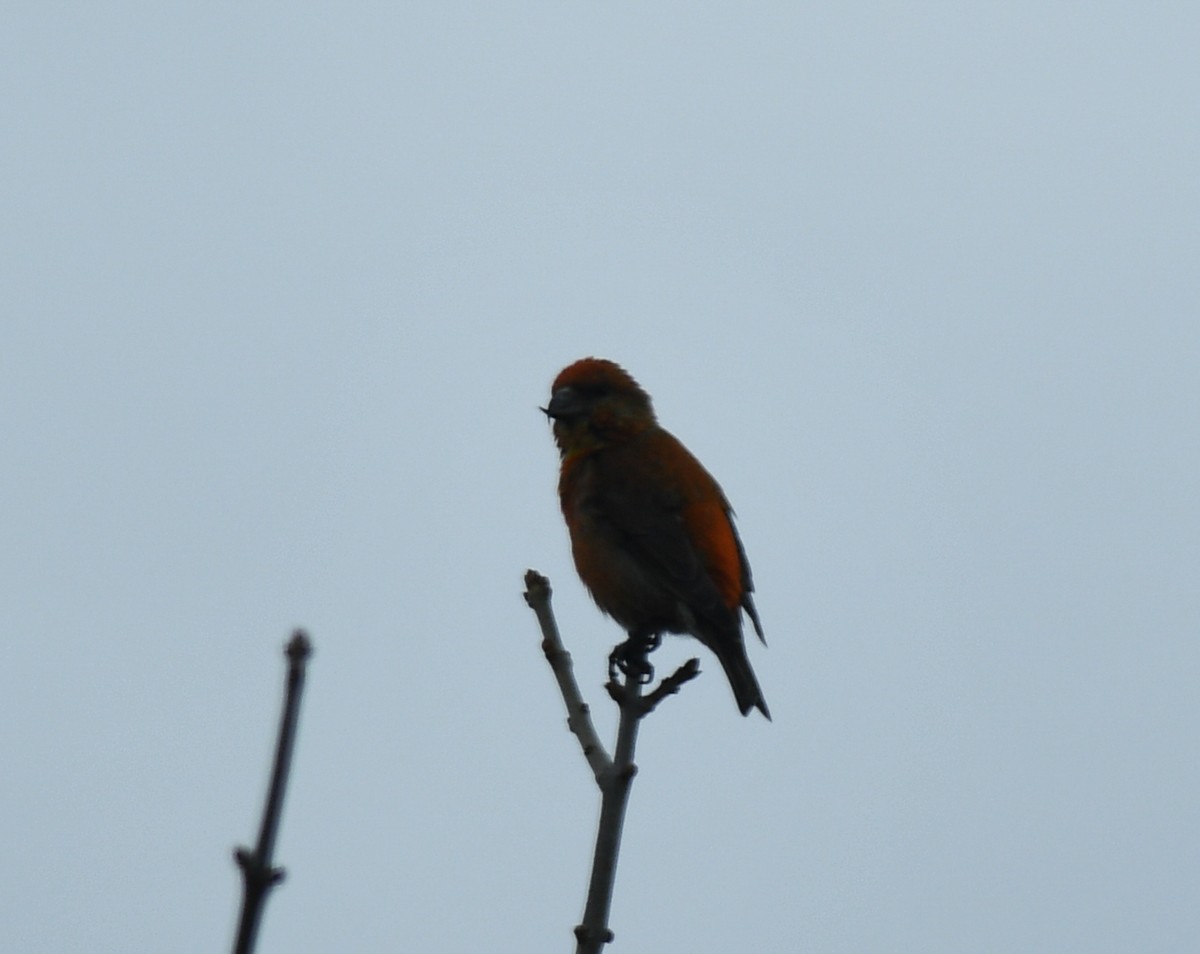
[{"x": 651, "y": 532}]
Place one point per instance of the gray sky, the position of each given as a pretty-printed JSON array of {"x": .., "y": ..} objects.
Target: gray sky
[{"x": 283, "y": 287}]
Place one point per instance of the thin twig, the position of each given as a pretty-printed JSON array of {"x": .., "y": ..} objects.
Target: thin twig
[
  {"x": 593, "y": 933},
  {"x": 671, "y": 685},
  {"x": 579, "y": 714},
  {"x": 614, "y": 776},
  {"x": 258, "y": 872}
]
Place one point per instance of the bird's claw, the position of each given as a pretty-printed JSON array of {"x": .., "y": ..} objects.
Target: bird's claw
[{"x": 630, "y": 658}]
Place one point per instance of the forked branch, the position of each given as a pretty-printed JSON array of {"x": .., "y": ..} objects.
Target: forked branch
[{"x": 614, "y": 776}]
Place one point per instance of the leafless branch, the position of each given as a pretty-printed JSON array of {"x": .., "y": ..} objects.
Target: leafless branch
[
  {"x": 259, "y": 874},
  {"x": 614, "y": 776},
  {"x": 579, "y": 715}
]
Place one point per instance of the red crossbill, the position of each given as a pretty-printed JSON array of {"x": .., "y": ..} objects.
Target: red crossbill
[{"x": 651, "y": 531}]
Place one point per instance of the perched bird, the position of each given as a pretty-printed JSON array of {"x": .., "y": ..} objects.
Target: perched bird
[{"x": 651, "y": 532}]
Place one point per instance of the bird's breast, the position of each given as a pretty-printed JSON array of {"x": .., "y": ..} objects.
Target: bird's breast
[{"x": 620, "y": 581}]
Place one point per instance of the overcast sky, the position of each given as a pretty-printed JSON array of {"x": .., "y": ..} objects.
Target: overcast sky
[{"x": 283, "y": 286}]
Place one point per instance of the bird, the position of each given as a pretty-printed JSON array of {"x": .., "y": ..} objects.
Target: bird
[{"x": 651, "y": 531}]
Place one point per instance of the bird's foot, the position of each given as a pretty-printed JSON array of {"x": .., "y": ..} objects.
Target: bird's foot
[{"x": 631, "y": 658}]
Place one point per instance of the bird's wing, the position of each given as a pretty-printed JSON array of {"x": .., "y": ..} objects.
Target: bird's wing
[{"x": 673, "y": 519}]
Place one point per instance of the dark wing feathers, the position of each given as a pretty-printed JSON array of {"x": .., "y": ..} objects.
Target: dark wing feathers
[{"x": 644, "y": 501}]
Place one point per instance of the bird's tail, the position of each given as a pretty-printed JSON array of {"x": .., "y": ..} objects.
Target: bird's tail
[{"x": 741, "y": 679}]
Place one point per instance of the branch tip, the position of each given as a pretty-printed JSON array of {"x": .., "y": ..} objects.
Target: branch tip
[
  {"x": 299, "y": 647},
  {"x": 537, "y": 588},
  {"x": 671, "y": 685}
]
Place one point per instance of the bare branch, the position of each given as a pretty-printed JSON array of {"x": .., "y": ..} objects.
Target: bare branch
[
  {"x": 671, "y": 685},
  {"x": 258, "y": 872},
  {"x": 593, "y": 933},
  {"x": 614, "y": 776},
  {"x": 579, "y": 716}
]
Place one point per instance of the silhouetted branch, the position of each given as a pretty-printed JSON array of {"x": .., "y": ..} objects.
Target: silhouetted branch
[
  {"x": 579, "y": 715},
  {"x": 671, "y": 685},
  {"x": 258, "y": 872},
  {"x": 614, "y": 776}
]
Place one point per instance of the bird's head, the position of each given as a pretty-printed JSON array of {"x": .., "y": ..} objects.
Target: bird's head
[{"x": 595, "y": 402}]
